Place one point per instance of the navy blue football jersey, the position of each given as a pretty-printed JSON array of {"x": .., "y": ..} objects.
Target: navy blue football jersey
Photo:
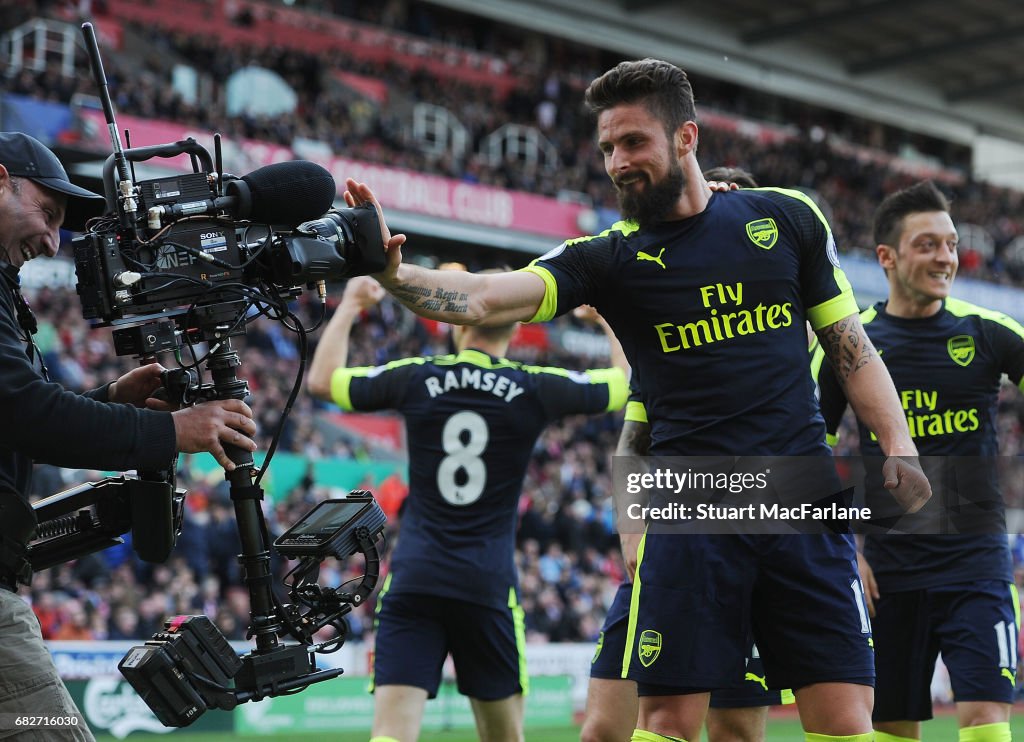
[
  {"x": 711, "y": 312},
  {"x": 471, "y": 423},
  {"x": 947, "y": 370}
]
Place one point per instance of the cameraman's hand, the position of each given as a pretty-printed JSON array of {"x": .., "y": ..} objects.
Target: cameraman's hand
[
  {"x": 137, "y": 386},
  {"x": 207, "y": 426},
  {"x": 362, "y": 292},
  {"x": 357, "y": 194}
]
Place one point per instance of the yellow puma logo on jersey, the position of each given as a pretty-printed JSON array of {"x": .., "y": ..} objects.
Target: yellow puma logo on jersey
[
  {"x": 641, "y": 255},
  {"x": 1008, "y": 675},
  {"x": 759, "y": 679}
]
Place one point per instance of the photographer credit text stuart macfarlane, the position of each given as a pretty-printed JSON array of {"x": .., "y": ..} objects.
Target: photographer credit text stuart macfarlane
[{"x": 666, "y": 480}]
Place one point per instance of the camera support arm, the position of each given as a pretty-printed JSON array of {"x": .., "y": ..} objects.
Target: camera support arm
[{"x": 94, "y": 515}]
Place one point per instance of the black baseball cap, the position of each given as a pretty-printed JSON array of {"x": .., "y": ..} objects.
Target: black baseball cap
[{"x": 27, "y": 157}]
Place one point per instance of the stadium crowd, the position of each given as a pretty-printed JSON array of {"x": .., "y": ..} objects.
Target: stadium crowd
[
  {"x": 568, "y": 555},
  {"x": 848, "y": 164}
]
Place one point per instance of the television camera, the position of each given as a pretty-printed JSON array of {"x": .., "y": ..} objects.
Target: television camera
[{"x": 185, "y": 261}]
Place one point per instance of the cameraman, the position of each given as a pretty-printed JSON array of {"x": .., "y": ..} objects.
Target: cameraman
[{"x": 107, "y": 428}]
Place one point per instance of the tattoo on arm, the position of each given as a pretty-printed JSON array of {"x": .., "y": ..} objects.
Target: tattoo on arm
[
  {"x": 436, "y": 300},
  {"x": 410, "y": 294},
  {"x": 847, "y": 347}
]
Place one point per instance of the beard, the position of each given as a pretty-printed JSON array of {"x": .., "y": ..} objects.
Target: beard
[{"x": 655, "y": 201}]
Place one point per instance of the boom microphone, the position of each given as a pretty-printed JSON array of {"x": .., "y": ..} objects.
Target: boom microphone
[{"x": 286, "y": 193}]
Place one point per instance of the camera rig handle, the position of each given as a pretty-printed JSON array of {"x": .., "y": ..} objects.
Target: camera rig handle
[{"x": 187, "y": 146}]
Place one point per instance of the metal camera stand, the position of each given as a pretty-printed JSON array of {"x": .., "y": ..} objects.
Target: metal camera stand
[{"x": 272, "y": 667}]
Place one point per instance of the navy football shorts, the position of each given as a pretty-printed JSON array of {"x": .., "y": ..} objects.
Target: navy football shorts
[
  {"x": 415, "y": 633},
  {"x": 975, "y": 626},
  {"x": 699, "y": 599},
  {"x": 607, "y": 662}
]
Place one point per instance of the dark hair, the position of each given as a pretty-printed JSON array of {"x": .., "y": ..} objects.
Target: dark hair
[
  {"x": 662, "y": 87},
  {"x": 895, "y": 207},
  {"x": 736, "y": 175}
]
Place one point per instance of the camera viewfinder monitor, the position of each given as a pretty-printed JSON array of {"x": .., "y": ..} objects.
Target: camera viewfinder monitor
[{"x": 329, "y": 529}]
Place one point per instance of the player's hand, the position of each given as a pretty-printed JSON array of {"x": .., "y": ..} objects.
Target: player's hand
[
  {"x": 136, "y": 386},
  {"x": 721, "y": 185},
  {"x": 586, "y": 313},
  {"x": 630, "y": 549},
  {"x": 363, "y": 292},
  {"x": 867, "y": 578},
  {"x": 908, "y": 484},
  {"x": 357, "y": 194},
  {"x": 210, "y": 425}
]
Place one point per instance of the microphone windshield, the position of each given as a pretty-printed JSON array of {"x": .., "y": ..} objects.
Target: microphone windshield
[{"x": 289, "y": 193}]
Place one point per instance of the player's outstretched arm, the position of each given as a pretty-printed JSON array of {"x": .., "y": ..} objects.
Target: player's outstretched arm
[
  {"x": 458, "y": 297},
  {"x": 331, "y": 353},
  {"x": 869, "y": 388}
]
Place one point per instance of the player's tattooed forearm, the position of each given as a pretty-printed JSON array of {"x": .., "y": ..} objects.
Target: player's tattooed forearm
[
  {"x": 432, "y": 300},
  {"x": 451, "y": 296},
  {"x": 410, "y": 294},
  {"x": 454, "y": 302},
  {"x": 848, "y": 348},
  {"x": 440, "y": 305}
]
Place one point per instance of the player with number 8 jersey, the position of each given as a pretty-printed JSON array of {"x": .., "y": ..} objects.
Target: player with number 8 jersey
[{"x": 472, "y": 419}]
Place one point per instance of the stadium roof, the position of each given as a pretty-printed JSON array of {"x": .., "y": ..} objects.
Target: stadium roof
[
  {"x": 950, "y": 68},
  {"x": 968, "y": 50}
]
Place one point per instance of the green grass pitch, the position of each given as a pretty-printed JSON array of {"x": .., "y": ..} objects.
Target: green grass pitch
[{"x": 786, "y": 729}]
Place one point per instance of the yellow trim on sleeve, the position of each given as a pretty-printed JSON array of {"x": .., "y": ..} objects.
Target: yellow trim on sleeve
[
  {"x": 341, "y": 380},
  {"x": 549, "y": 304},
  {"x": 961, "y": 308},
  {"x": 618, "y": 386},
  {"x": 636, "y": 412},
  {"x": 833, "y": 310}
]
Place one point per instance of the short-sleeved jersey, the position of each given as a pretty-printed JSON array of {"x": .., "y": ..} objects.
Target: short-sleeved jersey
[
  {"x": 710, "y": 311},
  {"x": 471, "y": 424},
  {"x": 635, "y": 410},
  {"x": 947, "y": 370}
]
